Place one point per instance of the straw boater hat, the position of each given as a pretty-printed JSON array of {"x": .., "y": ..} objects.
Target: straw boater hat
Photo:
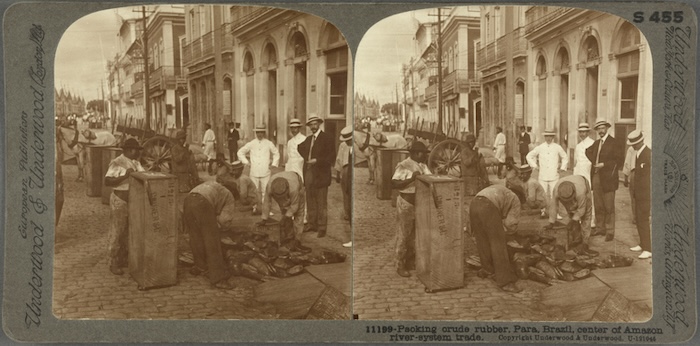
[
  {"x": 236, "y": 165},
  {"x": 132, "y": 143},
  {"x": 260, "y": 129},
  {"x": 346, "y": 133},
  {"x": 279, "y": 187},
  {"x": 313, "y": 117},
  {"x": 295, "y": 123},
  {"x": 583, "y": 127},
  {"x": 524, "y": 168},
  {"x": 566, "y": 191},
  {"x": 549, "y": 133},
  {"x": 635, "y": 137},
  {"x": 601, "y": 122}
]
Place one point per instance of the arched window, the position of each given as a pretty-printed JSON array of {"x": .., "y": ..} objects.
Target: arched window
[
  {"x": 541, "y": 68},
  {"x": 299, "y": 44},
  {"x": 248, "y": 64},
  {"x": 590, "y": 46},
  {"x": 561, "y": 63},
  {"x": 269, "y": 58}
]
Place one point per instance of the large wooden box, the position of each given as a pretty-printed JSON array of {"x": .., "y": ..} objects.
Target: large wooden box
[
  {"x": 153, "y": 229},
  {"x": 387, "y": 159},
  {"x": 439, "y": 235},
  {"x": 94, "y": 175},
  {"x": 108, "y": 154}
]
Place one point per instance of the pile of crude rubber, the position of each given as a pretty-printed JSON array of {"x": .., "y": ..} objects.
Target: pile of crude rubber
[
  {"x": 539, "y": 258},
  {"x": 254, "y": 255}
]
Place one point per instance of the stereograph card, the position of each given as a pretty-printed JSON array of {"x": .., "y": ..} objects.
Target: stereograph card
[{"x": 559, "y": 138}]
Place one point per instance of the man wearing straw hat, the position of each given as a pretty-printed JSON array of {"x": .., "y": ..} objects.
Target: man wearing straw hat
[
  {"x": 295, "y": 162},
  {"x": 263, "y": 155},
  {"x": 117, "y": 176},
  {"x": 642, "y": 192},
  {"x": 319, "y": 153},
  {"x": 404, "y": 180},
  {"x": 582, "y": 165},
  {"x": 550, "y": 158},
  {"x": 343, "y": 168},
  {"x": 607, "y": 156}
]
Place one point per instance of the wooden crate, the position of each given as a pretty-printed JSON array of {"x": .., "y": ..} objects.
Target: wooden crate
[
  {"x": 108, "y": 154},
  {"x": 94, "y": 175},
  {"x": 153, "y": 229},
  {"x": 439, "y": 235},
  {"x": 387, "y": 159}
]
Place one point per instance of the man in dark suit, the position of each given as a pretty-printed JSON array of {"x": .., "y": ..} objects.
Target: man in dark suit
[
  {"x": 232, "y": 137},
  {"x": 606, "y": 155},
  {"x": 523, "y": 144},
  {"x": 642, "y": 192},
  {"x": 319, "y": 156}
]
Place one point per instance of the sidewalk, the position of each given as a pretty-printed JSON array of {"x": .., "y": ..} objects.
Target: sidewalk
[
  {"x": 380, "y": 293},
  {"x": 83, "y": 286}
]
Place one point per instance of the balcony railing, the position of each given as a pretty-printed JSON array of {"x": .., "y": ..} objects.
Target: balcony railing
[
  {"x": 495, "y": 52},
  {"x": 538, "y": 16},
  {"x": 431, "y": 92},
  {"x": 250, "y": 17},
  {"x": 137, "y": 88},
  {"x": 459, "y": 81}
]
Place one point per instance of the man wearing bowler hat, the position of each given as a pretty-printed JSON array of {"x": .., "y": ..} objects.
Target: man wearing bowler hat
[
  {"x": 287, "y": 190},
  {"x": 574, "y": 194},
  {"x": 606, "y": 155},
  {"x": 263, "y": 155},
  {"x": 318, "y": 150},
  {"x": 117, "y": 176},
  {"x": 642, "y": 192},
  {"x": 404, "y": 180}
]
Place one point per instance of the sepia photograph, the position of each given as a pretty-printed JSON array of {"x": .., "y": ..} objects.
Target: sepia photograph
[
  {"x": 196, "y": 165},
  {"x": 505, "y": 172}
]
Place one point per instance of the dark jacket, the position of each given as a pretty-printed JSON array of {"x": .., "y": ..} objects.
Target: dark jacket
[
  {"x": 642, "y": 177},
  {"x": 613, "y": 156},
  {"x": 524, "y": 143},
  {"x": 233, "y": 137},
  {"x": 319, "y": 174}
]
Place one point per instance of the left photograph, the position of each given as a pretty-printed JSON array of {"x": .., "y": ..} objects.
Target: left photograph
[{"x": 202, "y": 165}]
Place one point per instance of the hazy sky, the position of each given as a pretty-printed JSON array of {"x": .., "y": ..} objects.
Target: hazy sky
[
  {"x": 384, "y": 48},
  {"x": 82, "y": 53}
]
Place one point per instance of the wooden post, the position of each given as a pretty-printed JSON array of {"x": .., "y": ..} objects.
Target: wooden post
[
  {"x": 153, "y": 229},
  {"x": 439, "y": 235}
]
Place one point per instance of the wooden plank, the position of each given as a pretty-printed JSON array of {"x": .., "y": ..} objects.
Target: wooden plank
[
  {"x": 633, "y": 282},
  {"x": 336, "y": 275},
  {"x": 293, "y": 297},
  {"x": 439, "y": 236},
  {"x": 588, "y": 290}
]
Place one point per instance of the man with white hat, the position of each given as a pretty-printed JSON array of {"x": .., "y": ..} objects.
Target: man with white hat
[
  {"x": 263, "y": 154},
  {"x": 642, "y": 192},
  {"x": 606, "y": 156},
  {"x": 582, "y": 165},
  {"x": 343, "y": 167},
  {"x": 550, "y": 158},
  {"x": 295, "y": 162},
  {"x": 318, "y": 151}
]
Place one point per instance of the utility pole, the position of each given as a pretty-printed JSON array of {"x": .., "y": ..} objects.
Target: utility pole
[{"x": 146, "y": 75}]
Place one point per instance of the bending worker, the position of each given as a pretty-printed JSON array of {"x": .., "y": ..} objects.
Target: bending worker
[{"x": 287, "y": 190}]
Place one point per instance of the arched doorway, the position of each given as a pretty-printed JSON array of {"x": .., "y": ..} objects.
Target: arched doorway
[
  {"x": 541, "y": 73},
  {"x": 299, "y": 51},
  {"x": 269, "y": 62},
  {"x": 561, "y": 64},
  {"x": 590, "y": 57},
  {"x": 249, "y": 74}
]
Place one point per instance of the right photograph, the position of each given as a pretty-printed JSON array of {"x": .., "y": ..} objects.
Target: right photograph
[{"x": 504, "y": 166}]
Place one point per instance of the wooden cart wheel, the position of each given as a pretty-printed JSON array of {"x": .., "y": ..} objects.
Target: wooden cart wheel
[
  {"x": 445, "y": 158},
  {"x": 156, "y": 155}
]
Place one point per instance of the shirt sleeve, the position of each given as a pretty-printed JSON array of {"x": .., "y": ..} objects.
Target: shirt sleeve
[
  {"x": 266, "y": 201},
  {"x": 275, "y": 155},
  {"x": 227, "y": 214},
  {"x": 580, "y": 206},
  {"x": 294, "y": 197},
  {"x": 554, "y": 204},
  {"x": 401, "y": 173},
  {"x": 564, "y": 158},
  {"x": 114, "y": 170},
  {"x": 511, "y": 221},
  {"x": 532, "y": 157},
  {"x": 242, "y": 153}
]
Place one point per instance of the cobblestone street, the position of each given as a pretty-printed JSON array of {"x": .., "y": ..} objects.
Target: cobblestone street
[
  {"x": 84, "y": 288},
  {"x": 380, "y": 293}
]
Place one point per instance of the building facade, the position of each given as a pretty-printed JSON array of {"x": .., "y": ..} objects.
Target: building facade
[
  {"x": 555, "y": 67},
  {"x": 263, "y": 66},
  {"x": 460, "y": 89}
]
